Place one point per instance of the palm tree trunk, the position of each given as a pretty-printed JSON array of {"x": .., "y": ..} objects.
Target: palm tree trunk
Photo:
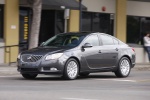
[{"x": 35, "y": 27}]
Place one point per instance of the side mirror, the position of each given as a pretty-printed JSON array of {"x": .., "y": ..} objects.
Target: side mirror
[
  {"x": 87, "y": 45},
  {"x": 42, "y": 44}
]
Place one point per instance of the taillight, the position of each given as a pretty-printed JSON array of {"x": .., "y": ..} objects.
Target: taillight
[{"x": 133, "y": 49}]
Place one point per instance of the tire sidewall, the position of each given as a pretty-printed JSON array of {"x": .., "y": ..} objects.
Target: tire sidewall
[{"x": 29, "y": 76}]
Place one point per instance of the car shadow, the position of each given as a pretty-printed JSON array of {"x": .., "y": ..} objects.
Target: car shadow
[
  {"x": 97, "y": 77},
  {"x": 60, "y": 78}
]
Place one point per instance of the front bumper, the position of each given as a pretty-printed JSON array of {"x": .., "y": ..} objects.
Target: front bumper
[{"x": 41, "y": 66}]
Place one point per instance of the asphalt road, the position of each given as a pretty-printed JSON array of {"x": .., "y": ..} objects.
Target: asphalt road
[{"x": 98, "y": 86}]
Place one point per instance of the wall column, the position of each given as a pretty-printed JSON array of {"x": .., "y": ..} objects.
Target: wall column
[
  {"x": 73, "y": 21},
  {"x": 11, "y": 28},
  {"x": 121, "y": 18}
]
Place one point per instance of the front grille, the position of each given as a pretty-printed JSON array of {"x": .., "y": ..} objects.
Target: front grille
[
  {"x": 29, "y": 69},
  {"x": 30, "y": 58}
]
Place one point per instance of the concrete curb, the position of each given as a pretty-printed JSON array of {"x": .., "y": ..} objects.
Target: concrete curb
[{"x": 142, "y": 66}]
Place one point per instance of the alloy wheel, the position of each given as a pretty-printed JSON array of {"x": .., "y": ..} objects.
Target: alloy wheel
[
  {"x": 125, "y": 67},
  {"x": 71, "y": 69}
]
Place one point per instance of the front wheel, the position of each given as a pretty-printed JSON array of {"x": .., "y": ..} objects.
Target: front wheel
[
  {"x": 124, "y": 67},
  {"x": 71, "y": 69},
  {"x": 29, "y": 76}
]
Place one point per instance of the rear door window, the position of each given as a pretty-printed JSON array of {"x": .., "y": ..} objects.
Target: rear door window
[
  {"x": 106, "y": 40},
  {"x": 116, "y": 42}
]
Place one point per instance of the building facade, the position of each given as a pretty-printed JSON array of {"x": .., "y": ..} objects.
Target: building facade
[{"x": 124, "y": 19}]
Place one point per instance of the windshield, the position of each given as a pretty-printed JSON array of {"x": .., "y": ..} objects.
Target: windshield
[{"x": 70, "y": 40}]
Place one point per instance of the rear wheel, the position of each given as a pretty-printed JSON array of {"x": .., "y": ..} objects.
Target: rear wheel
[
  {"x": 71, "y": 69},
  {"x": 124, "y": 67},
  {"x": 29, "y": 76}
]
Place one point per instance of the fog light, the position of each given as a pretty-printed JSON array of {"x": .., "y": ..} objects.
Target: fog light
[{"x": 53, "y": 69}]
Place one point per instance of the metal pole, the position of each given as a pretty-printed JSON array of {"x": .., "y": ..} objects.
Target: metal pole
[
  {"x": 80, "y": 15},
  {"x": 9, "y": 55},
  {"x": 65, "y": 28}
]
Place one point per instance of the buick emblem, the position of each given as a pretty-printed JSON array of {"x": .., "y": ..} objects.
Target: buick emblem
[{"x": 29, "y": 58}]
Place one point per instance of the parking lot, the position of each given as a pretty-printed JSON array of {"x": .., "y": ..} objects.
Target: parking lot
[{"x": 97, "y": 86}]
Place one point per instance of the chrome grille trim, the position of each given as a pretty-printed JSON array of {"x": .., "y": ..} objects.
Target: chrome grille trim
[{"x": 30, "y": 58}]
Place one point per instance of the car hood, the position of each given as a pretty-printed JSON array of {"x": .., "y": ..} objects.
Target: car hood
[{"x": 45, "y": 50}]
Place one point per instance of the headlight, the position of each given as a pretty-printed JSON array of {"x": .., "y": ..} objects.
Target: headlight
[
  {"x": 19, "y": 55},
  {"x": 54, "y": 56}
]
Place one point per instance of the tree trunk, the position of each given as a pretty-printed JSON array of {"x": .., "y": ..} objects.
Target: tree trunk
[{"x": 35, "y": 27}]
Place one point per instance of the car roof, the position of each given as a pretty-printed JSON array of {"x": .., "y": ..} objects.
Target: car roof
[{"x": 82, "y": 33}]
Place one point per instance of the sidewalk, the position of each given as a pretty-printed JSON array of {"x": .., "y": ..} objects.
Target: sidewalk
[
  {"x": 5, "y": 69},
  {"x": 142, "y": 66}
]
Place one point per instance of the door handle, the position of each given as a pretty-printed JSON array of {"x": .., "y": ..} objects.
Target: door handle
[
  {"x": 117, "y": 49},
  {"x": 100, "y": 51}
]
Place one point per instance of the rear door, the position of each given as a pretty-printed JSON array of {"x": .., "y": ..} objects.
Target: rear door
[{"x": 109, "y": 51}]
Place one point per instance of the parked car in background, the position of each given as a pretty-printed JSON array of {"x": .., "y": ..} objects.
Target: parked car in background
[{"x": 77, "y": 53}]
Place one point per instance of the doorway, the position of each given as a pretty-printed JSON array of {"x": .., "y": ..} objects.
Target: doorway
[{"x": 52, "y": 23}]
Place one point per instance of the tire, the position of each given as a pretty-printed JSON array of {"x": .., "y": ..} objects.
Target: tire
[
  {"x": 29, "y": 76},
  {"x": 71, "y": 69},
  {"x": 124, "y": 67},
  {"x": 84, "y": 74}
]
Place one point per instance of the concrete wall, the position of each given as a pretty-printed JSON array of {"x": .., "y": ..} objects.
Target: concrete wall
[
  {"x": 2, "y": 1},
  {"x": 136, "y": 8},
  {"x": 96, "y": 5},
  {"x": 141, "y": 55}
]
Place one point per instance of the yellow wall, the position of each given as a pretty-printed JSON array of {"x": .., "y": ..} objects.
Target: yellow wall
[
  {"x": 11, "y": 28},
  {"x": 73, "y": 21},
  {"x": 121, "y": 19}
]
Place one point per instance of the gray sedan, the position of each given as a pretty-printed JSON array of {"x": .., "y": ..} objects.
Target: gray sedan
[{"x": 80, "y": 53}]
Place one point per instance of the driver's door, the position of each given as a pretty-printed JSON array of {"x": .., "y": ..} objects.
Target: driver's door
[{"x": 92, "y": 54}]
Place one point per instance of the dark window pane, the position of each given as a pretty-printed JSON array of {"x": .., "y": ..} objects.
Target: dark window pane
[
  {"x": 47, "y": 27},
  {"x": 86, "y": 21},
  {"x": 93, "y": 39},
  {"x": 96, "y": 22},
  {"x": 106, "y": 40},
  {"x": 1, "y": 22},
  {"x": 133, "y": 29},
  {"x": 145, "y": 24},
  {"x": 105, "y": 23},
  {"x": 59, "y": 21}
]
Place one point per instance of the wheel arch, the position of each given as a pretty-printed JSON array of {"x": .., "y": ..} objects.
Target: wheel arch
[
  {"x": 117, "y": 71},
  {"x": 126, "y": 57},
  {"x": 76, "y": 60},
  {"x": 117, "y": 64}
]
